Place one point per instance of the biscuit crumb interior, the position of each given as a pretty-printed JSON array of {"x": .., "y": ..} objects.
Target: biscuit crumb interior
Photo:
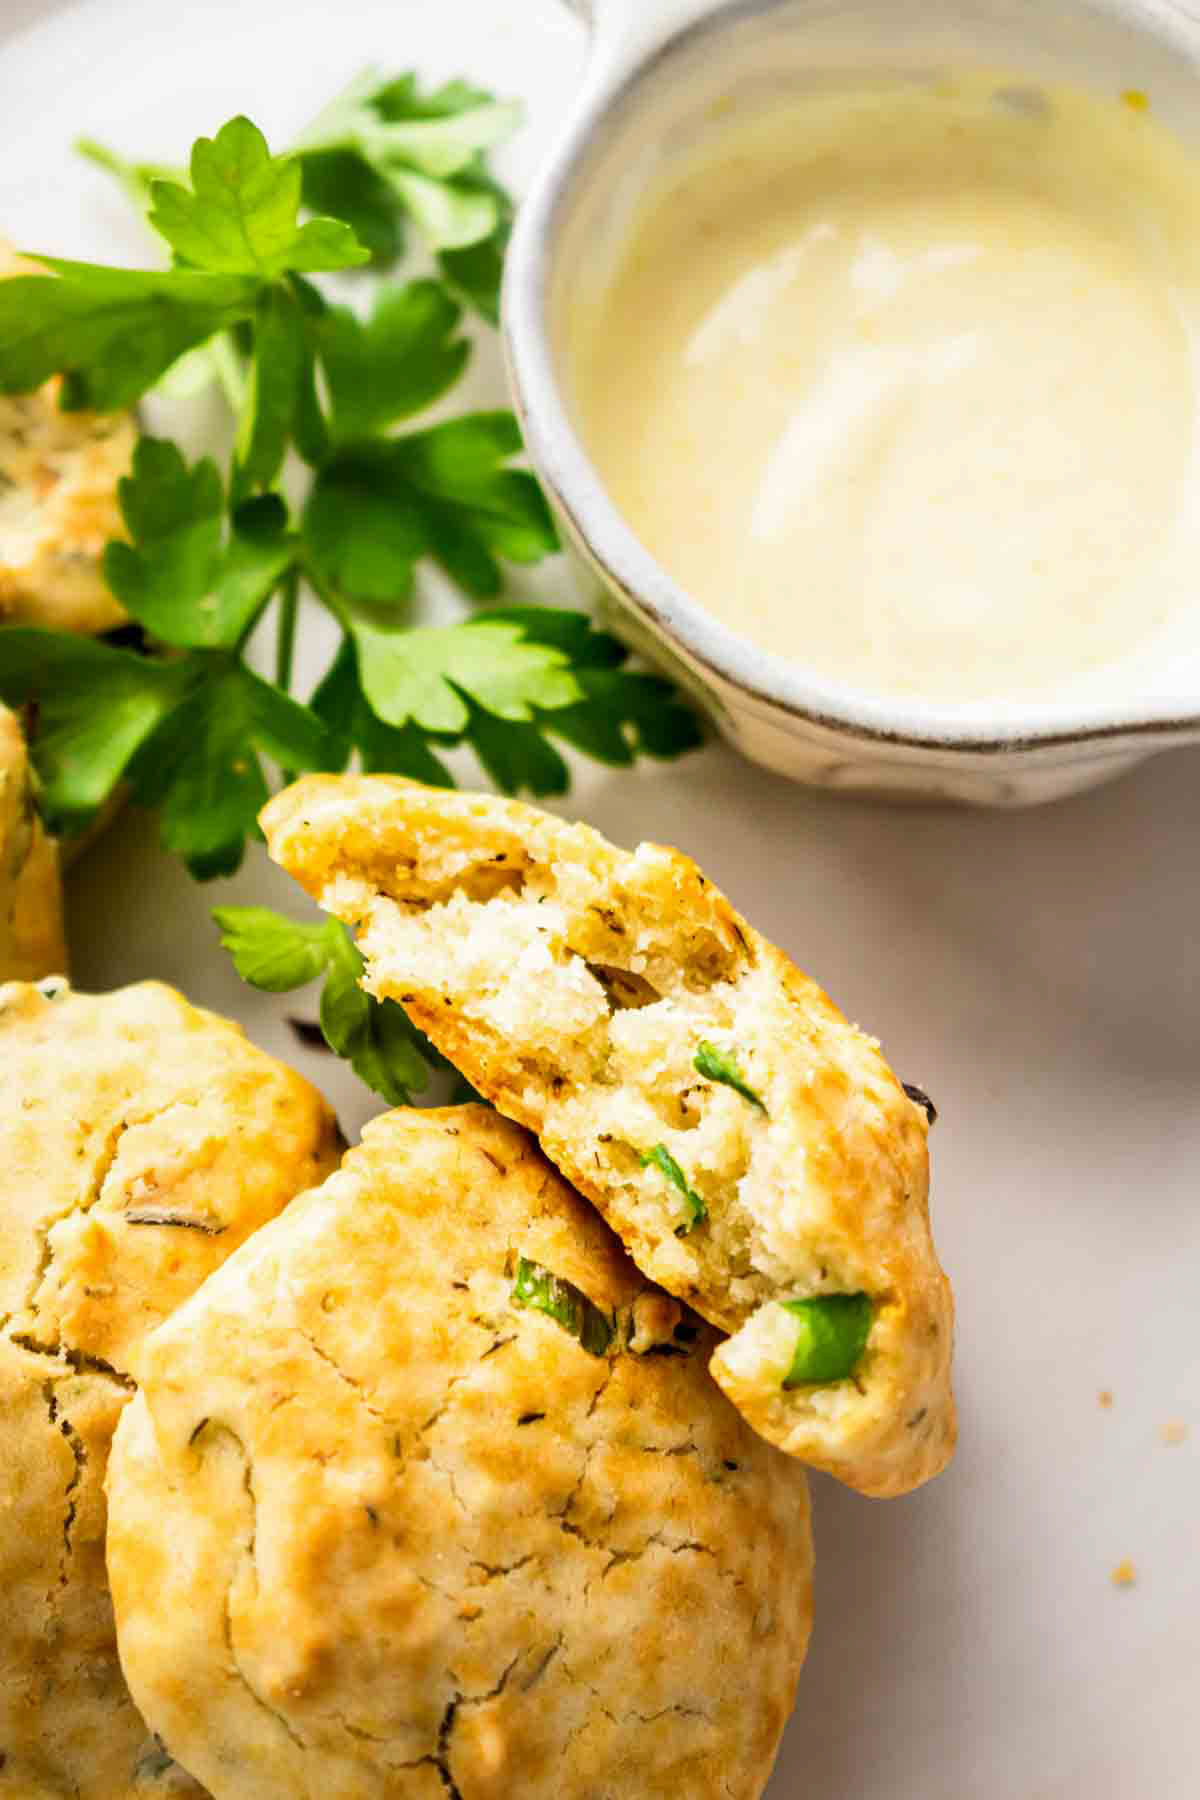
[{"x": 575, "y": 984}]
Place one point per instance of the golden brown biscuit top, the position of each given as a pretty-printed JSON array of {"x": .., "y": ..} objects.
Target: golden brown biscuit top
[
  {"x": 434, "y": 1541},
  {"x": 141, "y": 1139}
]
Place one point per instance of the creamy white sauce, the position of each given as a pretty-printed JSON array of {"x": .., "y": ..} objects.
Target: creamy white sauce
[{"x": 902, "y": 384}]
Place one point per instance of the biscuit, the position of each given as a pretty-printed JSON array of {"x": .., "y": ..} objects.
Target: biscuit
[
  {"x": 380, "y": 1529},
  {"x": 751, "y": 1148},
  {"x": 58, "y": 503},
  {"x": 141, "y": 1140},
  {"x": 31, "y": 922}
]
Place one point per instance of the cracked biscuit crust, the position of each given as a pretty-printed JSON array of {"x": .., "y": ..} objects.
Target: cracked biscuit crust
[
  {"x": 31, "y": 926},
  {"x": 379, "y": 1531},
  {"x": 141, "y": 1140},
  {"x": 575, "y": 984}
]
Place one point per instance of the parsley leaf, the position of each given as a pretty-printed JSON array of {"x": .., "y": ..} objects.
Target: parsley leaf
[
  {"x": 350, "y": 724},
  {"x": 624, "y": 714},
  {"x": 376, "y": 1037},
  {"x": 427, "y": 149},
  {"x": 201, "y": 766},
  {"x": 514, "y": 750},
  {"x": 620, "y": 713},
  {"x": 337, "y": 184},
  {"x": 281, "y": 394},
  {"x": 475, "y": 508},
  {"x": 425, "y": 673},
  {"x": 475, "y": 271},
  {"x": 439, "y": 134},
  {"x": 362, "y": 532},
  {"x": 661, "y": 1159},
  {"x": 340, "y": 184},
  {"x": 574, "y": 633},
  {"x": 181, "y": 576},
  {"x": 186, "y": 734},
  {"x": 114, "y": 332},
  {"x": 240, "y": 216},
  {"x": 401, "y": 98},
  {"x": 401, "y": 360},
  {"x": 447, "y": 492},
  {"x": 205, "y": 556},
  {"x": 111, "y": 332},
  {"x": 271, "y": 952},
  {"x": 722, "y": 1066},
  {"x": 516, "y": 755},
  {"x": 450, "y": 215},
  {"x": 95, "y": 707}
]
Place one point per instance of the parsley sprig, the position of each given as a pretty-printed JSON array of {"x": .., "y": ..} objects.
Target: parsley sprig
[
  {"x": 384, "y": 157},
  {"x": 376, "y": 1037},
  {"x": 334, "y": 394}
]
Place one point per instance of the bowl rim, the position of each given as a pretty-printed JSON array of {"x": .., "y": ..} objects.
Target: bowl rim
[{"x": 719, "y": 654}]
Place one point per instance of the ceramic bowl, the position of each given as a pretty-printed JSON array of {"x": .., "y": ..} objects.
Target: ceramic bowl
[{"x": 656, "y": 73}]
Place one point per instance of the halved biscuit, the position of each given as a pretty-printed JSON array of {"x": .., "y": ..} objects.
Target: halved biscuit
[
  {"x": 753, "y": 1150},
  {"x": 428, "y": 1492}
]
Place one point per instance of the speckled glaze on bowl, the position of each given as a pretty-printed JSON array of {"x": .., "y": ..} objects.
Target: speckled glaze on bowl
[{"x": 659, "y": 71}]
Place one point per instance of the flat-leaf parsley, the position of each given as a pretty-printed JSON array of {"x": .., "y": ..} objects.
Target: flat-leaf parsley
[{"x": 328, "y": 397}]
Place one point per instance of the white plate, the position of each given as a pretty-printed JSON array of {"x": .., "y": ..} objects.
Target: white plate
[{"x": 1038, "y": 972}]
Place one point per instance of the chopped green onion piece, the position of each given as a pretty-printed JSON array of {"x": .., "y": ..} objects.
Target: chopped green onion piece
[
  {"x": 563, "y": 1302},
  {"x": 662, "y": 1160},
  {"x": 832, "y": 1332},
  {"x": 721, "y": 1065}
]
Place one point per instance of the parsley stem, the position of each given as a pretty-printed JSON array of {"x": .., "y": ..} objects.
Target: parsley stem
[
  {"x": 285, "y": 630},
  {"x": 229, "y": 372},
  {"x": 285, "y": 642},
  {"x": 325, "y": 595},
  {"x": 134, "y": 178}
]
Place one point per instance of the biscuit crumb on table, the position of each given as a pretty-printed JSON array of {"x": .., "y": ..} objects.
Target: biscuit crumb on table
[
  {"x": 1124, "y": 1575},
  {"x": 1105, "y": 1398},
  {"x": 1174, "y": 1432}
]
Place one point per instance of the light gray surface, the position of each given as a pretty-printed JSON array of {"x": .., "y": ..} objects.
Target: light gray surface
[
  {"x": 1039, "y": 973},
  {"x": 15, "y": 15}
]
